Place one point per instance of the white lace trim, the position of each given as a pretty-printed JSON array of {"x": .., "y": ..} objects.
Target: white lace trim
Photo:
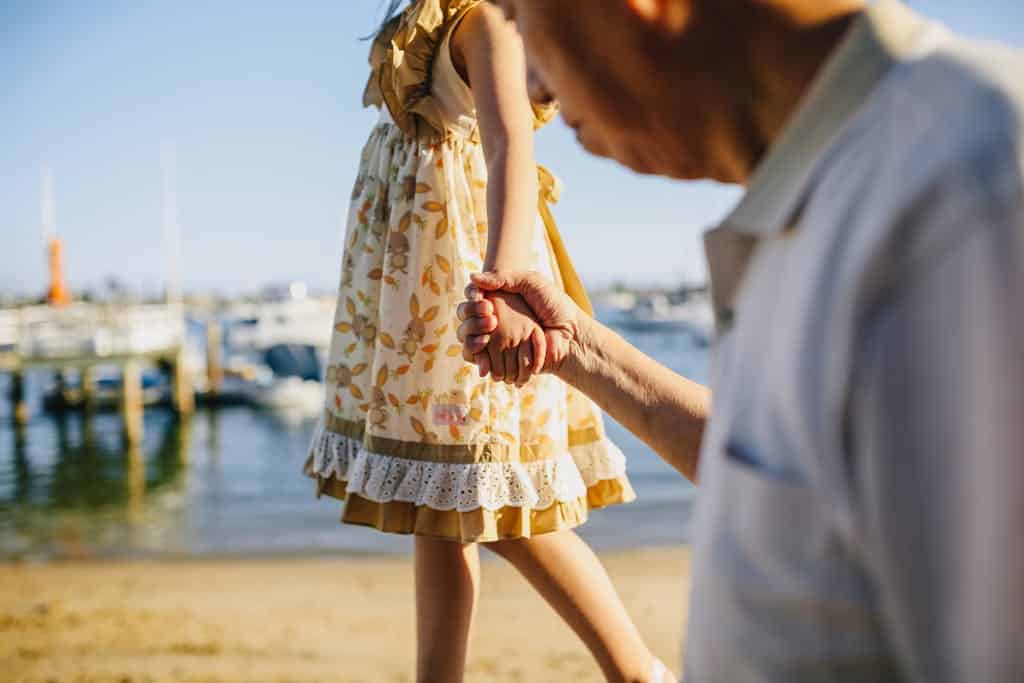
[{"x": 465, "y": 487}]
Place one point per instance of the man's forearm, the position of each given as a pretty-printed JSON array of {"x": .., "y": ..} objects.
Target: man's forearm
[{"x": 661, "y": 407}]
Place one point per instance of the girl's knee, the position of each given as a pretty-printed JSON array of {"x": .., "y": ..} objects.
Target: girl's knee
[{"x": 506, "y": 549}]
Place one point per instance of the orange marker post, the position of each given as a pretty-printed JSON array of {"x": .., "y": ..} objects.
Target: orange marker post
[{"x": 58, "y": 294}]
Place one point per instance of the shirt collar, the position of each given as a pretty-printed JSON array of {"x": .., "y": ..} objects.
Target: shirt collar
[{"x": 886, "y": 33}]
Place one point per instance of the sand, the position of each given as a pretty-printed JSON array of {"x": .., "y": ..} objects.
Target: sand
[{"x": 299, "y": 620}]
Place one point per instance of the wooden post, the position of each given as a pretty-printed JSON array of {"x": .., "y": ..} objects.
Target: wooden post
[
  {"x": 181, "y": 385},
  {"x": 213, "y": 434},
  {"x": 88, "y": 390},
  {"x": 136, "y": 481},
  {"x": 61, "y": 389},
  {"x": 18, "y": 400},
  {"x": 214, "y": 360},
  {"x": 183, "y": 439},
  {"x": 22, "y": 484},
  {"x": 131, "y": 401}
]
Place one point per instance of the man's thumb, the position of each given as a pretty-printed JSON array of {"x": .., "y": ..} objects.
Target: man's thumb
[{"x": 491, "y": 282}]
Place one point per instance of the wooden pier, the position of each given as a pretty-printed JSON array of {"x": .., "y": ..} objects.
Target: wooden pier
[{"x": 85, "y": 336}]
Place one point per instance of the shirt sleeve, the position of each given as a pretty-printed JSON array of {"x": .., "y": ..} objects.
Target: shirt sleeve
[{"x": 936, "y": 436}]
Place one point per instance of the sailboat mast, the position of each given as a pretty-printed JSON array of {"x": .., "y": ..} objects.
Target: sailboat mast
[
  {"x": 171, "y": 231},
  {"x": 47, "y": 204},
  {"x": 57, "y": 294}
]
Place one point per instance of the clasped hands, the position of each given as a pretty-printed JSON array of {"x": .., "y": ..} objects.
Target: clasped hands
[{"x": 516, "y": 325}]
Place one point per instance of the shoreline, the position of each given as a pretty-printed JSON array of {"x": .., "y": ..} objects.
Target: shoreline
[
  {"x": 283, "y": 555},
  {"x": 332, "y": 617}
]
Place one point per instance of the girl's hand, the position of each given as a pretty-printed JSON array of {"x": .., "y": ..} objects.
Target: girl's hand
[
  {"x": 557, "y": 314},
  {"x": 517, "y": 347}
]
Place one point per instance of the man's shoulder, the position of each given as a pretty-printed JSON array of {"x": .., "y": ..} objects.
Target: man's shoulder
[
  {"x": 948, "y": 124},
  {"x": 961, "y": 104},
  {"x": 934, "y": 157}
]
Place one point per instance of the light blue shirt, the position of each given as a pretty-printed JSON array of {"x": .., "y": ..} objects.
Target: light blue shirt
[{"x": 861, "y": 506}]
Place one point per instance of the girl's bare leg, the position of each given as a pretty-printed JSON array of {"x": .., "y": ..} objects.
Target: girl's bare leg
[
  {"x": 447, "y": 587},
  {"x": 567, "y": 573}
]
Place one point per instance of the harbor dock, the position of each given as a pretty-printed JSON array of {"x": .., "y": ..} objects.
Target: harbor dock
[{"x": 82, "y": 337}]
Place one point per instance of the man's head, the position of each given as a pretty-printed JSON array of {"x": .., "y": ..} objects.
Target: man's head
[{"x": 669, "y": 87}]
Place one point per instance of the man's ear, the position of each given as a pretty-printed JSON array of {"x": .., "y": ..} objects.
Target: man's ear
[{"x": 670, "y": 15}]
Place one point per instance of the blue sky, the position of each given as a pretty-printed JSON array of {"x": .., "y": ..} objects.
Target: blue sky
[{"x": 262, "y": 101}]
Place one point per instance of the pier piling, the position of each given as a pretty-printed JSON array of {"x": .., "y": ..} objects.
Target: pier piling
[
  {"x": 135, "y": 481},
  {"x": 181, "y": 385},
  {"x": 131, "y": 401},
  {"x": 19, "y": 400},
  {"x": 214, "y": 360},
  {"x": 88, "y": 390},
  {"x": 60, "y": 386}
]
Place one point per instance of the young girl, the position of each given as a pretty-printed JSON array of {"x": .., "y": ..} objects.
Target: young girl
[{"x": 412, "y": 438}]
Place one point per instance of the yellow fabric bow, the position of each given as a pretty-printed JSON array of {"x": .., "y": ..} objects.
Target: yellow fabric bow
[{"x": 550, "y": 190}]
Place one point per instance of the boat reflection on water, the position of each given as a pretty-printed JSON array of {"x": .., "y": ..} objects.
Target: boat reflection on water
[
  {"x": 227, "y": 481},
  {"x": 88, "y": 490}
]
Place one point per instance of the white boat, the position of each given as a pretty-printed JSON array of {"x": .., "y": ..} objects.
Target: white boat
[
  {"x": 287, "y": 394},
  {"x": 284, "y": 316},
  {"x": 287, "y": 379},
  {"x": 658, "y": 313},
  {"x": 274, "y": 351}
]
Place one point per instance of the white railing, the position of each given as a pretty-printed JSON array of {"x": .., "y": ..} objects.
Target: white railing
[{"x": 41, "y": 333}]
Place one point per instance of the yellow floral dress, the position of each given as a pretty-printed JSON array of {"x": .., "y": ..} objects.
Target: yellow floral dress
[{"x": 411, "y": 437}]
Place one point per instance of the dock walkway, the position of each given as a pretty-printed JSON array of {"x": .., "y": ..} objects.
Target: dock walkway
[{"x": 81, "y": 336}]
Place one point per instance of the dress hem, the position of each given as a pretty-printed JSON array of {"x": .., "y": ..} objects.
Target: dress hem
[
  {"x": 474, "y": 526},
  {"x": 466, "y": 524}
]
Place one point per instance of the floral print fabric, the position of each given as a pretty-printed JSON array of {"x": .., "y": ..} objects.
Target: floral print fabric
[{"x": 406, "y": 419}]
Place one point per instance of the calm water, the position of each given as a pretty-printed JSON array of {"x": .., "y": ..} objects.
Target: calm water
[{"x": 227, "y": 481}]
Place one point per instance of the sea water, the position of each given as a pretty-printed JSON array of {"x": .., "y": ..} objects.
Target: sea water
[{"x": 227, "y": 481}]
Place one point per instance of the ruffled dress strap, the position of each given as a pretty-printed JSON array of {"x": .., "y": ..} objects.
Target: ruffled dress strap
[{"x": 402, "y": 60}]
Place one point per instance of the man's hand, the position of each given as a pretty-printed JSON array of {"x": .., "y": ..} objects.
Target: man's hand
[
  {"x": 665, "y": 410},
  {"x": 552, "y": 309},
  {"x": 516, "y": 347}
]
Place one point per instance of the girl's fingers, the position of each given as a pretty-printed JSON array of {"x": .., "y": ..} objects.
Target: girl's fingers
[
  {"x": 511, "y": 357},
  {"x": 474, "y": 309},
  {"x": 525, "y": 363},
  {"x": 472, "y": 347},
  {"x": 474, "y": 327},
  {"x": 540, "y": 350},
  {"x": 483, "y": 364},
  {"x": 497, "y": 363}
]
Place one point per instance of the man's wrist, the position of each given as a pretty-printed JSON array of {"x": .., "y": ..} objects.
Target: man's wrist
[{"x": 580, "y": 358}]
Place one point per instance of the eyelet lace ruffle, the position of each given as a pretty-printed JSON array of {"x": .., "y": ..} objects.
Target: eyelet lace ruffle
[{"x": 464, "y": 487}]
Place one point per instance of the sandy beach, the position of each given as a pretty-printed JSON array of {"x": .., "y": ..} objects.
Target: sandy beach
[{"x": 296, "y": 620}]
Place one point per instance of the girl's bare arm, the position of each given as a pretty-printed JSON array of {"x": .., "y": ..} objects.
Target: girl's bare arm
[{"x": 489, "y": 52}]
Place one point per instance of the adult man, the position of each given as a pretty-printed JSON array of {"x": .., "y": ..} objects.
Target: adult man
[{"x": 860, "y": 513}]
